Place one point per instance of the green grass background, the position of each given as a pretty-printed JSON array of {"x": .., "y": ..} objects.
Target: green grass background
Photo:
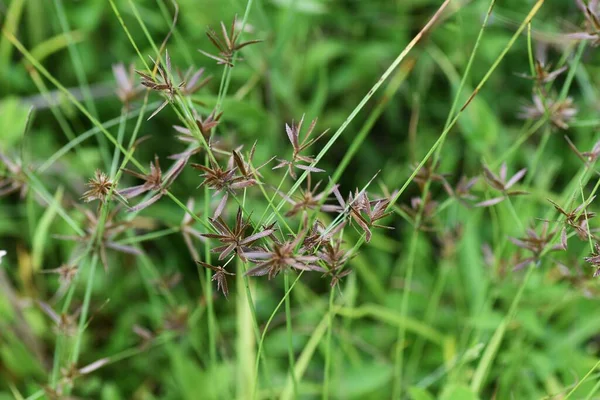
[{"x": 319, "y": 58}]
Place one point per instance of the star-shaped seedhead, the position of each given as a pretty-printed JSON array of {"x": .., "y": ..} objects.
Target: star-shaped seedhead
[
  {"x": 449, "y": 240},
  {"x": 588, "y": 157},
  {"x": 245, "y": 168},
  {"x": 319, "y": 235},
  {"x": 427, "y": 209},
  {"x": 167, "y": 282},
  {"x": 235, "y": 239},
  {"x": 500, "y": 183},
  {"x": 293, "y": 134},
  {"x": 578, "y": 218},
  {"x": 220, "y": 179},
  {"x": 99, "y": 187},
  {"x": 334, "y": 257},
  {"x": 66, "y": 273},
  {"x": 225, "y": 180},
  {"x": 154, "y": 182},
  {"x": 560, "y": 111},
  {"x": 220, "y": 275},
  {"x": 427, "y": 173},
  {"x": 161, "y": 82},
  {"x": 498, "y": 264},
  {"x": 65, "y": 324},
  {"x": 192, "y": 82},
  {"x": 205, "y": 126},
  {"x": 537, "y": 243},
  {"x": 594, "y": 259},
  {"x": 111, "y": 229},
  {"x": 280, "y": 256},
  {"x": 176, "y": 320},
  {"x": 227, "y": 45},
  {"x": 68, "y": 375},
  {"x": 462, "y": 190},
  {"x": 592, "y": 29},
  {"x": 309, "y": 199},
  {"x": 542, "y": 73},
  {"x": 15, "y": 180},
  {"x": 127, "y": 91},
  {"x": 364, "y": 212}
]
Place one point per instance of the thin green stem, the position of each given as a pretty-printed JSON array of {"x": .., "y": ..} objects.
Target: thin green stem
[
  {"x": 212, "y": 340},
  {"x": 290, "y": 337},
  {"x": 85, "y": 308},
  {"x": 489, "y": 354},
  {"x": 327, "y": 373},
  {"x": 262, "y": 336},
  {"x": 401, "y": 337}
]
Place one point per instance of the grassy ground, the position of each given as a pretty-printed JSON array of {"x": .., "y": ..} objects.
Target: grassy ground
[{"x": 482, "y": 289}]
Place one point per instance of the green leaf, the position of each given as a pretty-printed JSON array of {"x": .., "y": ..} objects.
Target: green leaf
[
  {"x": 417, "y": 393},
  {"x": 41, "y": 234},
  {"x": 13, "y": 118},
  {"x": 362, "y": 380},
  {"x": 458, "y": 392}
]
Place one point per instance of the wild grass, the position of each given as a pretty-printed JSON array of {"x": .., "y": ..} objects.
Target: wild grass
[{"x": 377, "y": 200}]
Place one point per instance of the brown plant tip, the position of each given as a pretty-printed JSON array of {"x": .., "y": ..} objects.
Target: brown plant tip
[
  {"x": 99, "y": 187},
  {"x": 154, "y": 181},
  {"x": 235, "y": 240},
  {"x": 293, "y": 134},
  {"x": 220, "y": 275},
  {"x": 162, "y": 82},
  {"x": 227, "y": 45},
  {"x": 559, "y": 111},
  {"x": 502, "y": 184}
]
